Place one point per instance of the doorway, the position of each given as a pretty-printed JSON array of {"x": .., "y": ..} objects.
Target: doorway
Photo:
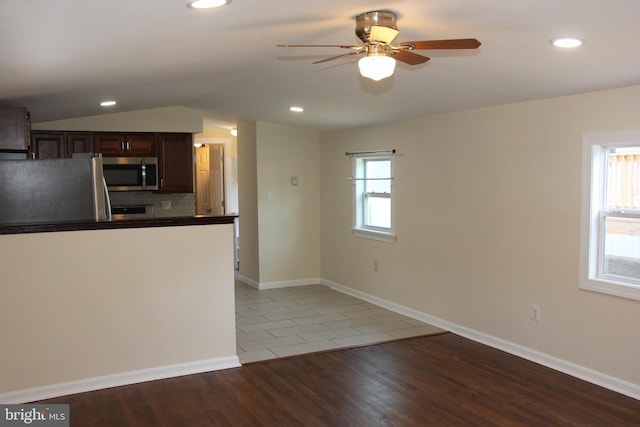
[
  {"x": 216, "y": 176},
  {"x": 210, "y": 183},
  {"x": 216, "y": 180}
]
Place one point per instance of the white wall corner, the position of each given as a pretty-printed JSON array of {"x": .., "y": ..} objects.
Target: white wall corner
[{"x": 247, "y": 281}]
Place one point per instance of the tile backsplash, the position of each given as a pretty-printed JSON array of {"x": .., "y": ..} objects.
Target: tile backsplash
[{"x": 164, "y": 205}]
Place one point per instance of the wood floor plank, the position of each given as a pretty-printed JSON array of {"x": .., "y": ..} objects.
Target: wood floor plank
[{"x": 441, "y": 380}]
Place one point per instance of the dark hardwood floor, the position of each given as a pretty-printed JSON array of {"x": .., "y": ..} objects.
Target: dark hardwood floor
[{"x": 441, "y": 380}]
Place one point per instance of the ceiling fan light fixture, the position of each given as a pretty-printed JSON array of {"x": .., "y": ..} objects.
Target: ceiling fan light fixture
[
  {"x": 382, "y": 34},
  {"x": 206, "y": 4},
  {"x": 376, "y": 67},
  {"x": 377, "y": 29}
]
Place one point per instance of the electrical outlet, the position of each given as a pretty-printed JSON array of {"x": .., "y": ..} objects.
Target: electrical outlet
[
  {"x": 375, "y": 265},
  {"x": 535, "y": 312},
  {"x": 166, "y": 205}
]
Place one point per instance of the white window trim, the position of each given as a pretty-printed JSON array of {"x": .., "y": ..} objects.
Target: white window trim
[
  {"x": 358, "y": 229},
  {"x": 593, "y": 192},
  {"x": 374, "y": 235}
]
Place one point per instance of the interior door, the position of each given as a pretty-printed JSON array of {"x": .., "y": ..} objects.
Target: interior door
[
  {"x": 203, "y": 182},
  {"x": 210, "y": 180},
  {"x": 216, "y": 168}
]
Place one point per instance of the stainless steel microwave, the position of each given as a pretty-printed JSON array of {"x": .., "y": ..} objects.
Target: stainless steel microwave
[{"x": 130, "y": 173}]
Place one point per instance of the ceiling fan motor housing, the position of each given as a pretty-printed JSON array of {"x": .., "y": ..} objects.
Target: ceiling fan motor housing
[{"x": 382, "y": 18}]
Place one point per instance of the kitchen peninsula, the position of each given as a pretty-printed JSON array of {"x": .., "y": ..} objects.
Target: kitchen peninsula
[{"x": 99, "y": 304}]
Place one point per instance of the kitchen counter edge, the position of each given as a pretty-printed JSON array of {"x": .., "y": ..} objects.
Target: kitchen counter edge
[{"x": 109, "y": 225}]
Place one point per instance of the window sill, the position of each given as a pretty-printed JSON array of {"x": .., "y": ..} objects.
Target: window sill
[
  {"x": 618, "y": 289},
  {"x": 374, "y": 235}
]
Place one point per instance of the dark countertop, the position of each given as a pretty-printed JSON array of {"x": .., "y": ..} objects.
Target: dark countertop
[{"x": 108, "y": 225}]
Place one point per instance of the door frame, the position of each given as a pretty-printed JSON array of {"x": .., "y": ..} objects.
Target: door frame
[
  {"x": 229, "y": 169},
  {"x": 230, "y": 184}
]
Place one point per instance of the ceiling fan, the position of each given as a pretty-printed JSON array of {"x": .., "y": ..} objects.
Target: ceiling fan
[{"x": 377, "y": 29}]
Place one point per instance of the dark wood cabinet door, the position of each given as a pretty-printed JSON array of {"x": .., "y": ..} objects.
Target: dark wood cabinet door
[
  {"x": 78, "y": 142},
  {"x": 47, "y": 145},
  {"x": 175, "y": 157},
  {"x": 60, "y": 145},
  {"x": 110, "y": 144},
  {"x": 117, "y": 144},
  {"x": 140, "y": 145},
  {"x": 15, "y": 129}
]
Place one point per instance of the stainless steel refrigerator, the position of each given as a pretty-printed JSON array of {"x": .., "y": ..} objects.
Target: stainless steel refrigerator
[{"x": 53, "y": 190}]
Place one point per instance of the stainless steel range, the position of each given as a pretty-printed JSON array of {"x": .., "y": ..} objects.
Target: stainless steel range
[{"x": 119, "y": 213}]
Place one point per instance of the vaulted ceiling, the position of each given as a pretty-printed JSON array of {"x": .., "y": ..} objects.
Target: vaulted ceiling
[{"x": 61, "y": 58}]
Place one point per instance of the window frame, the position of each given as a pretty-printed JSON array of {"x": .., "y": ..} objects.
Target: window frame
[
  {"x": 360, "y": 197},
  {"x": 595, "y": 211}
]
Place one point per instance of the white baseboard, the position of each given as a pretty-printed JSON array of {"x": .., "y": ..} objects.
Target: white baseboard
[
  {"x": 120, "y": 379},
  {"x": 276, "y": 285},
  {"x": 247, "y": 281},
  {"x": 289, "y": 283},
  {"x": 578, "y": 371},
  {"x": 39, "y": 393},
  {"x": 586, "y": 374}
]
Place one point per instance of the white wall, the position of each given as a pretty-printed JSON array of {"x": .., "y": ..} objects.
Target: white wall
[
  {"x": 289, "y": 223},
  {"x": 488, "y": 221},
  {"x": 90, "y": 309},
  {"x": 166, "y": 119},
  {"x": 249, "y": 252},
  {"x": 280, "y": 237}
]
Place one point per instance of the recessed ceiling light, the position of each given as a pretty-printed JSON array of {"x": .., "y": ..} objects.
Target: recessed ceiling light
[
  {"x": 567, "y": 42},
  {"x": 107, "y": 103},
  {"x": 206, "y": 4},
  {"x": 296, "y": 109}
]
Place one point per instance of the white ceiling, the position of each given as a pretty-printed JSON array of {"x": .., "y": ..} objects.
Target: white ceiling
[{"x": 60, "y": 58}]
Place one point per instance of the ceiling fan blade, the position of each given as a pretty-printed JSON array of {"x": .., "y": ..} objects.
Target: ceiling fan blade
[
  {"x": 441, "y": 44},
  {"x": 338, "y": 56},
  {"x": 318, "y": 45},
  {"x": 378, "y": 33},
  {"x": 409, "y": 57}
]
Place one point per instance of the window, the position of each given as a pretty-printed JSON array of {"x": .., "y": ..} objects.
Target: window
[
  {"x": 610, "y": 260},
  {"x": 373, "y": 196}
]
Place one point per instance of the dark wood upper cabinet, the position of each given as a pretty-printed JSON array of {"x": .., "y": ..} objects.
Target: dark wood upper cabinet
[
  {"x": 174, "y": 151},
  {"x": 60, "y": 145},
  {"x": 130, "y": 144},
  {"x": 78, "y": 142},
  {"x": 15, "y": 129},
  {"x": 47, "y": 145},
  {"x": 175, "y": 157}
]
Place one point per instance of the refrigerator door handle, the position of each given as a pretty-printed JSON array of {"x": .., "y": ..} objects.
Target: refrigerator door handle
[{"x": 101, "y": 201}]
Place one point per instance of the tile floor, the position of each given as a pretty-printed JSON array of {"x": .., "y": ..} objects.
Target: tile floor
[{"x": 283, "y": 322}]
